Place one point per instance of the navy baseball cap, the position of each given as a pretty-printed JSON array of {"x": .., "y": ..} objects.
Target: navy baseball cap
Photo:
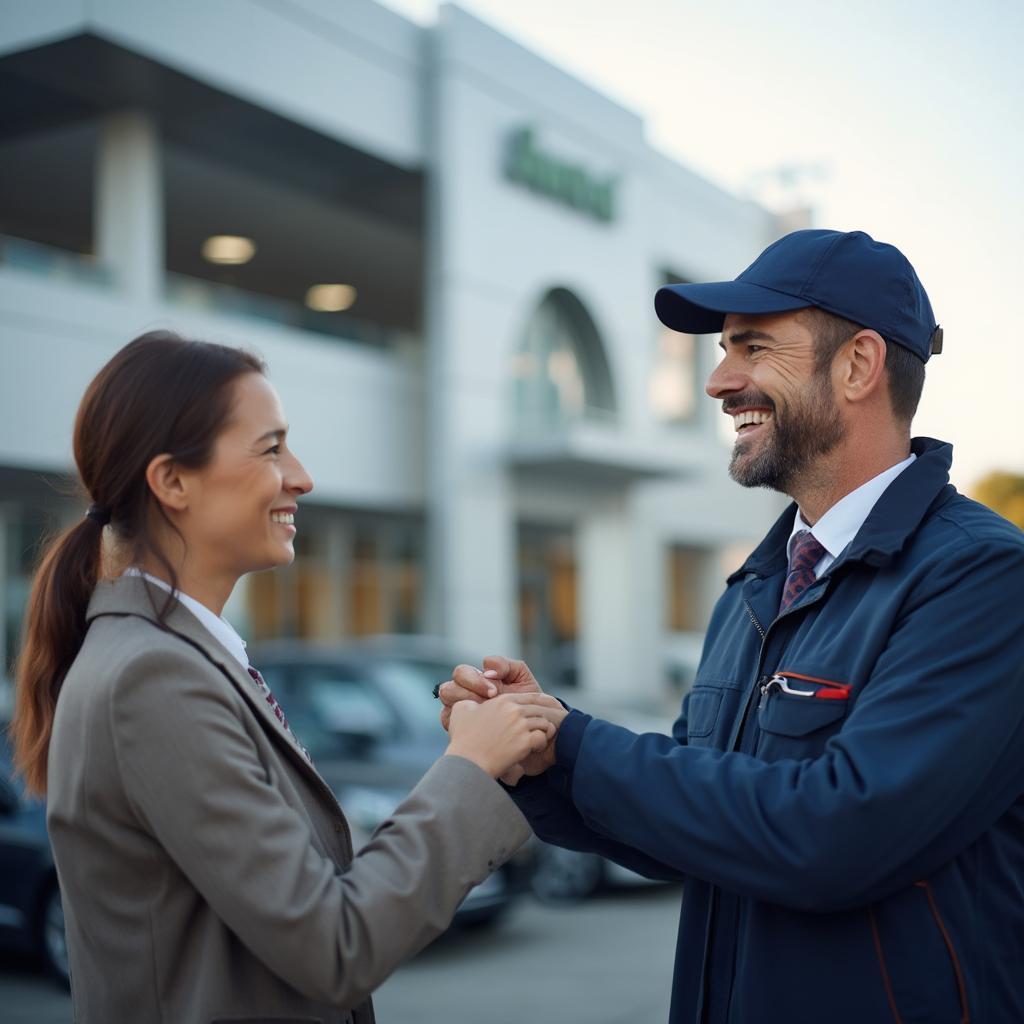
[{"x": 845, "y": 273}]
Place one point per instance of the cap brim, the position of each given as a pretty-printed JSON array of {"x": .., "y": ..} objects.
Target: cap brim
[{"x": 702, "y": 308}]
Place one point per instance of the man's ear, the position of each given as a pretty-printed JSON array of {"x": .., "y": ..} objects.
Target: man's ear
[
  {"x": 861, "y": 366},
  {"x": 167, "y": 483}
]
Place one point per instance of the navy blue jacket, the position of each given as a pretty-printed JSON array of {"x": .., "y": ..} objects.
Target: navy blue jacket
[{"x": 843, "y": 793}]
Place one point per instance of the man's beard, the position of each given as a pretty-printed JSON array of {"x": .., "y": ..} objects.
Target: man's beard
[{"x": 808, "y": 429}]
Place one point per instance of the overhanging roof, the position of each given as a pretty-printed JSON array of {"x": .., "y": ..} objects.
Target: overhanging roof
[{"x": 601, "y": 454}]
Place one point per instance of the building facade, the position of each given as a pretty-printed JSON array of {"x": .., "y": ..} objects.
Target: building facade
[{"x": 446, "y": 249}]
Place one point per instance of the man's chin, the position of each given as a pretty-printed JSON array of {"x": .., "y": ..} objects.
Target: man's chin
[{"x": 754, "y": 468}]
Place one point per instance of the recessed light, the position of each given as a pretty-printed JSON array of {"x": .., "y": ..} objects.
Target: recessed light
[
  {"x": 229, "y": 249},
  {"x": 330, "y": 298}
]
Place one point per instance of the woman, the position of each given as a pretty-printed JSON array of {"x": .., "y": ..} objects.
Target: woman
[{"x": 206, "y": 868}]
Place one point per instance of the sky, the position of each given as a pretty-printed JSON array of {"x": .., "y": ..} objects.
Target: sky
[{"x": 903, "y": 119}]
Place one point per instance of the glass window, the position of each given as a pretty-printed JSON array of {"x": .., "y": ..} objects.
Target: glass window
[
  {"x": 254, "y": 230},
  {"x": 685, "y": 581},
  {"x": 47, "y": 179},
  {"x": 673, "y": 386},
  {"x": 352, "y": 576},
  {"x": 347, "y": 705},
  {"x": 410, "y": 684},
  {"x": 560, "y": 371},
  {"x": 548, "y": 601}
]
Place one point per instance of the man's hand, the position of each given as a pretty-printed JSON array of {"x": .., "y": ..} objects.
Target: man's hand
[{"x": 499, "y": 675}]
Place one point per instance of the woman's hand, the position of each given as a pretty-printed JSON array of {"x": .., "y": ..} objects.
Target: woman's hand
[
  {"x": 503, "y": 731},
  {"x": 499, "y": 675}
]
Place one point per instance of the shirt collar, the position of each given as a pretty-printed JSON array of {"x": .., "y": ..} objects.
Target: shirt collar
[
  {"x": 839, "y": 525},
  {"x": 221, "y": 630}
]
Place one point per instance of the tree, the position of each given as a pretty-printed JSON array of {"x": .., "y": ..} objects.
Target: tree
[{"x": 1003, "y": 493}]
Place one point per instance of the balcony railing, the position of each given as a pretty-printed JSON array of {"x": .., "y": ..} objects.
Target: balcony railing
[
  {"x": 53, "y": 262},
  {"x": 211, "y": 296}
]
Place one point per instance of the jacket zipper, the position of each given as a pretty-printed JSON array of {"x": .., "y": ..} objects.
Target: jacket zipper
[
  {"x": 733, "y": 745},
  {"x": 737, "y": 735}
]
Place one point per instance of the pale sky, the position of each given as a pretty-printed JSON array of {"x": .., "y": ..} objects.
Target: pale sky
[{"x": 911, "y": 113}]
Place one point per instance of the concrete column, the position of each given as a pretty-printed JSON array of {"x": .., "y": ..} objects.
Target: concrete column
[
  {"x": 129, "y": 210},
  {"x": 471, "y": 559},
  {"x": 620, "y": 609}
]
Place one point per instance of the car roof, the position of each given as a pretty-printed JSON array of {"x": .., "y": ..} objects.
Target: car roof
[{"x": 372, "y": 649}]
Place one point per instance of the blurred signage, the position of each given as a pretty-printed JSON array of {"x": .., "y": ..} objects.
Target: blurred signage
[{"x": 558, "y": 178}]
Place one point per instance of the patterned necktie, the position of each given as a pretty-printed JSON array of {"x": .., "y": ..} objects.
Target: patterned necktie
[
  {"x": 276, "y": 708},
  {"x": 805, "y": 554}
]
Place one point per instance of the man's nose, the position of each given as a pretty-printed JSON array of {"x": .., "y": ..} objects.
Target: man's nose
[{"x": 726, "y": 378}]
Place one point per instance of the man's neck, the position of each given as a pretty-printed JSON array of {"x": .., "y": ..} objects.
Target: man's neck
[{"x": 844, "y": 469}]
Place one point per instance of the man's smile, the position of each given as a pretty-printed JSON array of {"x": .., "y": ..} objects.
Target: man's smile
[{"x": 749, "y": 420}]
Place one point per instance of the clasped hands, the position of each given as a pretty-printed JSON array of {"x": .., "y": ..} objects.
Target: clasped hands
[{"x": 499, "y": 718}]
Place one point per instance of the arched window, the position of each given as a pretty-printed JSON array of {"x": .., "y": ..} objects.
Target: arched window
[{"x": 560, "y": 370}]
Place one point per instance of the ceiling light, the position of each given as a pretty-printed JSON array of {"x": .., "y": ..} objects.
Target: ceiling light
[
  {"x": 330, "y": 298},
  {"x": 229, "y": 249}
]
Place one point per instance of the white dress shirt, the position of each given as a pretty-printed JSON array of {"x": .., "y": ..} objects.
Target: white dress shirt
[
  {"x": 221, "y": 629},
  {"x": 839, "y": 525}
]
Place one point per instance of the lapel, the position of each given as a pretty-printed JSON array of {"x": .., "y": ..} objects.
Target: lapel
[{"x": 133, "y": 596}]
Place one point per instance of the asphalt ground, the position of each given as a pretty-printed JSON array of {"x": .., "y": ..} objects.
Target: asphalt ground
[{"x": 607, "y": 960}]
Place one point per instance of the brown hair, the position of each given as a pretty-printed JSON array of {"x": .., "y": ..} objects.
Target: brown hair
[
  {"x": 160, "y": 394},
  {"x": 904, "y": 369}
]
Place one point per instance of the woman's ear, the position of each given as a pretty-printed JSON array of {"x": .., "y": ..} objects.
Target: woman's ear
[
  {"x": 167, "y": 483},
  {"x": 862, "y": 366}
]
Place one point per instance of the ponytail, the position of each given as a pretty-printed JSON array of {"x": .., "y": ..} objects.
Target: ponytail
[{"x": 55, "y": 630}]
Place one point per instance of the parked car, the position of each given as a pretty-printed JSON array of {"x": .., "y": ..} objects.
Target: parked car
[
  {"x": 367, "y": 716},
  {"x": 31, "y": 917}
]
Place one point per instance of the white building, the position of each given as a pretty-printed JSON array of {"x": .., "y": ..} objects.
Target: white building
[{"x": 507, "y": 448}]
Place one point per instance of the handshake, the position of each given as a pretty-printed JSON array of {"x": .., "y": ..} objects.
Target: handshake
[{"x": 499, "y": 719}]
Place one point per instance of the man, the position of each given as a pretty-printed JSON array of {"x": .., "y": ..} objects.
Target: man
[{"x": 842, "y": 793}]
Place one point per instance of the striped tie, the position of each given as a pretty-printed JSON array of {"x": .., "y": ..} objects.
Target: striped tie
[
  {"x": 805, "y": 554},
  {"x": 276, "y": 708}
]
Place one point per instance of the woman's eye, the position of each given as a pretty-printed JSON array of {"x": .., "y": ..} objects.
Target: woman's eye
[{"x": 276, "y": 450}]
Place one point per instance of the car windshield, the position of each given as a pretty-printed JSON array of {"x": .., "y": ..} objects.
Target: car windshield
[{"x": 409, "y": 684}]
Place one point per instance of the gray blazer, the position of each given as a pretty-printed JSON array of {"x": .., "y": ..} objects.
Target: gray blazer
[{"x": 206, "y": 868}]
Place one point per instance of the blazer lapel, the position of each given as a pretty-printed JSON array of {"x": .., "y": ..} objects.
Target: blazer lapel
[{"x": 133, "y": 595}]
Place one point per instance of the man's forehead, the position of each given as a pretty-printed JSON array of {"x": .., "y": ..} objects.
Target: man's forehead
[{"x": 769, "y": 323}]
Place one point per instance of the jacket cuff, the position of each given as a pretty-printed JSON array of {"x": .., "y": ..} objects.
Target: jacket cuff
[
  {"x": 569, "y": 739},
  {"x": 567, "y": 749}
]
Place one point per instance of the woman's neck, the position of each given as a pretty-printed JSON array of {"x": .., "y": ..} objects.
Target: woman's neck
[{"x": 209, "y": 589}]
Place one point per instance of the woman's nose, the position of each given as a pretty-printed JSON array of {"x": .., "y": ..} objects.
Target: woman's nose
[{"x": 298, "y": 480}]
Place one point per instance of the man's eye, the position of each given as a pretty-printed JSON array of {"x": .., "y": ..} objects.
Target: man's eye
[
  {"x": 276, "y": 450},
  {"x": 755, "y": 348}
]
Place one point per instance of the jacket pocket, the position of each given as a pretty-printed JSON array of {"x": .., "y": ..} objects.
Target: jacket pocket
[
  {"x": 703, "y": 707},
  {"x": 918, "y": 964},
  {"x": 798, "y": 703},
  {"x": 786, "y": 715}
]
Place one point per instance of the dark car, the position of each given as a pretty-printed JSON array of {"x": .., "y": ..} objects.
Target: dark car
[
  {"x": 31, "y": 918},
  {"x": 367, "y": 716}
]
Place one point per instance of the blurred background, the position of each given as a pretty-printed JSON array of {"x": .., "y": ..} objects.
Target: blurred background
[{"x": 442, "y": 226}]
